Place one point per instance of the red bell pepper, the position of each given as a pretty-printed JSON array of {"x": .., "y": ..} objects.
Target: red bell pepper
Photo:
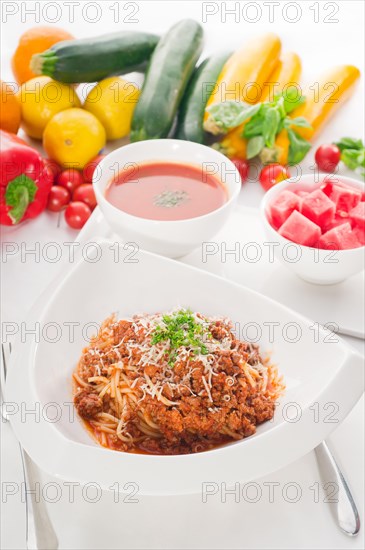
[{"x": 25, "y": 180}]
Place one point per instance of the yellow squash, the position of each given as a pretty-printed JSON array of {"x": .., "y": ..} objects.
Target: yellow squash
[
  {"x": 323, "y": 100},
  {"x": 245, "y": 72},
  {"x": 287, "y": 71}
]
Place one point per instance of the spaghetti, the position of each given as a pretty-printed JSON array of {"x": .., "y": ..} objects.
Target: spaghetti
[{"x": 172, "y": 383}]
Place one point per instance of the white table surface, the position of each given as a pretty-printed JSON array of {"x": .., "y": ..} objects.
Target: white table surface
[{"x": 187, "y": 522}]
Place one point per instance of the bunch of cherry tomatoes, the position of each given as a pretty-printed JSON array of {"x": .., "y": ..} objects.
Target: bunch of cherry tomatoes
[{"x": 73, "y": 192}]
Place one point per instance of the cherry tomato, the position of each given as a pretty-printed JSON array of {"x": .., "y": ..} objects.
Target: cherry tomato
[
  {"x": 58, "y": 198},
  {"x": 70, "y": 179},
  {"x": 88, "y": 171},
  {"x": 272, "y": 174},
  {"x": 76, "y": 214},
  {"x": 327, "y": 157},
  {"x": 242, "y": 167},
  {"x": 53, "y": 169},
  {"x": 85, "y": 193}
]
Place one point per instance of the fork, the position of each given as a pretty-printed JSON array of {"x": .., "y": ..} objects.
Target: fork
[
  {"x": 40, "y": 534},
  {"x": 343, "y": 508}
]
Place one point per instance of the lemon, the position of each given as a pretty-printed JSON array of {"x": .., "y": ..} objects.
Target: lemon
[
  {"x": 112, "y": 101},
  {"x": 40, "y": 99},
  {"x": 73, "y": 137}
]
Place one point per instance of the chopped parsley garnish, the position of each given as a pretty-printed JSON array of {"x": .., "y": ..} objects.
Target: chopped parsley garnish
[
  {"x": 170, "y": 199},
  {"x": 181, "y": 330}
]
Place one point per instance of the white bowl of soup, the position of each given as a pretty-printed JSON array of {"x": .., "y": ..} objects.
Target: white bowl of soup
[{"x": 167, "y": 196}]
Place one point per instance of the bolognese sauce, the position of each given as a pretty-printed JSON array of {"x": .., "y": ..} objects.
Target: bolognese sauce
[{"x": 173, "y": 383}]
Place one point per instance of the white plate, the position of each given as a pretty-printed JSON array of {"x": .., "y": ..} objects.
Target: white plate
[{"x": 317, "y": 366}]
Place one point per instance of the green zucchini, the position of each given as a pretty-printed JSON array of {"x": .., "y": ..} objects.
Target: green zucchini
[
  {"x": 92, "y": 59},
  {"x": 192, "y": 108},
  {"x": 171, "y": 66}
]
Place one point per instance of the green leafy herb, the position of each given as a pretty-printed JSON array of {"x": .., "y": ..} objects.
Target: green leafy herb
[
  {"x": 349, "y": 143},
  {"x": 181, "y": 330},
  {"x": 353, "y": 154},
  {"x": 298, "y": 121},
  {"x": 272, "y": 117},
  {"x": 263, "y": 122},
  {"x": 298, "y": 147},
  {"x": 254, "y": 127},
  {"x": 254, "y": 146},
  {"x": 292, "y": 99},
  {"x": 227, "y": 115},
  {"x": 350, "y": 158},
  {"x": 270, "y": 126},
  {"x": 20, "y": 192}
]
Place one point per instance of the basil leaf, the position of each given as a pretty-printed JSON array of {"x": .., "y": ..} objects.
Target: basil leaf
[
  {"x": 292, "y": 99},
  {"x": 284, "y": 123},
  {"x": 298, "y": 147},
  {"x": 270, "y": 127},
  {"x": 254, "y": 146},
  {"x": 247, "y": 113},
  {"x": 300, "y": 121},
  {"x": 229, "y": 114},
  {"x": 361, "y": 158},
  {"x": 349, "y": 143},
  {"x": 280, "y": 105},
  {"x": 253, "y": 127},
  {"x": 353, "y": 158}
]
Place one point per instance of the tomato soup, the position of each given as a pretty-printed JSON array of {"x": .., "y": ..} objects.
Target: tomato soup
[{"x": 166, "y": 191}]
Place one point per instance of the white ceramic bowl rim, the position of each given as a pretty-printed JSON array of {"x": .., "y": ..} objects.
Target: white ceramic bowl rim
[{"x": 100, "y": 186}]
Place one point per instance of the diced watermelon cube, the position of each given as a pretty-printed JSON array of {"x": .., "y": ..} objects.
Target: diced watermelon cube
[
  {"x": 283, "y": 206},
  {"x": 328, "y": 184},
  {"x": 339, "y": 238},
  {"x": 318, "y": 208},
  {"x": 337, "y": 220},
  {"x": 357, "y": 215},
  {"x": 300, "y": 230},
  {"x": 345, "y": 198},
  {"x": 302, "y": 194},
  {"x": 359, "y": 232}
]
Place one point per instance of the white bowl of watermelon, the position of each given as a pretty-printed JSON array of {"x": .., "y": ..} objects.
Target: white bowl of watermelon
[{"x": 317, "y": 225}]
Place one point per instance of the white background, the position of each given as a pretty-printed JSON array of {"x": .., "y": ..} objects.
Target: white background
[{"x": 186, "y": 522}]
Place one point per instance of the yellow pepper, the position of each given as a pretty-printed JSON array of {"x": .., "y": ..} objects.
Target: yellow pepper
[
  {"x": 287, "y": 71},
  {"x": 322, "y": 101},
  {"x": 245, "y": 72}
]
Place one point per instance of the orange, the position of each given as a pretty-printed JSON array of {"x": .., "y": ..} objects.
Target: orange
[
  {"x": 10, "y": 110},
  {"x": 35, "y": 40}
]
